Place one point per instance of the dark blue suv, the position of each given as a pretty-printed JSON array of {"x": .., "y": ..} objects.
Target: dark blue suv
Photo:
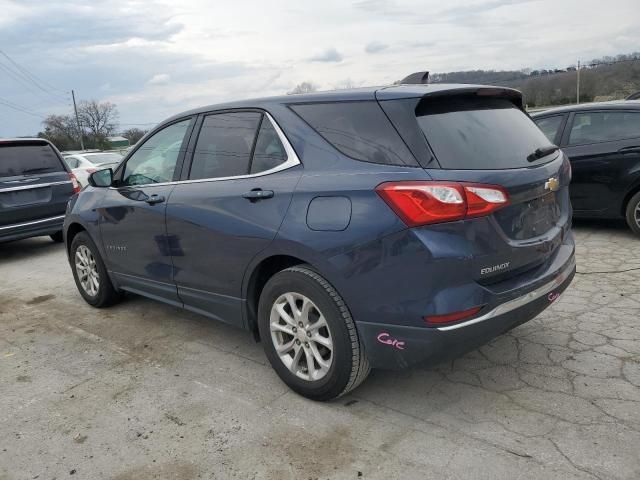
[{"x": 375, "y": 227}]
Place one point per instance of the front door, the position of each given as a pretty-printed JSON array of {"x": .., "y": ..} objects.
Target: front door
[
  {"x": 603, "y": 146},
  {"x": 132, "y": 217},
  {"x": 239, "y": 189}
]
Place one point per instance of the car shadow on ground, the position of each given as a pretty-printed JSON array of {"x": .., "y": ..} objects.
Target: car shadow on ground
[{"x": 28, "y": 248}]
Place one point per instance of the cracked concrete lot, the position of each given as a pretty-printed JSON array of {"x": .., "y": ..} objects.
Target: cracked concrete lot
[{"x": 143, "y": 390}]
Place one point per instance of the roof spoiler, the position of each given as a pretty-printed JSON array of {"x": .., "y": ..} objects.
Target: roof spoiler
[{"x": 417, "y": 78}]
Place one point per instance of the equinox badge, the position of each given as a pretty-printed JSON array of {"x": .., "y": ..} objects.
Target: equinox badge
[{"x": 552, "y": 184}]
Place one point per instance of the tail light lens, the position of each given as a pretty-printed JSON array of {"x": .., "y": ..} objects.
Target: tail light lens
[
  {"x": 423, "y": 203},
  {"x": 452, "y": 317},
  {"x": 74, "y": 182}
]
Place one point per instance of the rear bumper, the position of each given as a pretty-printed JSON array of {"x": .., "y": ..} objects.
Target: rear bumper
[
  {"x": 396, "y": 346},
  {"x": 31, "y": 228}
]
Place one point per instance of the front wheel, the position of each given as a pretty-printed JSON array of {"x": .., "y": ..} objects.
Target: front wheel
[
  {"x": 633, "y": 213},
  {"x": 309, "y": 336},
  {"x": 57, "y": 237},
  {"x": 90, "y": 274}
]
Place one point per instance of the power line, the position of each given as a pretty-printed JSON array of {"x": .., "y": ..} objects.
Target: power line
[
  {"x": 38, "y": 82},
  {"x": 18, "y": 108},
  {"x": 28, "y": 83}
]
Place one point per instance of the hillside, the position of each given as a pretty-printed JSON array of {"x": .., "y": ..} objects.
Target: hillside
[{"x": 601, "y": 79}]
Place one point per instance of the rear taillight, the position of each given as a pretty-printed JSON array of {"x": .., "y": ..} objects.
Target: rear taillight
[
  {"x": 74, "y": 182},
  {"x": 423, "y": 203},
  {"x": 452, "y": 317}
]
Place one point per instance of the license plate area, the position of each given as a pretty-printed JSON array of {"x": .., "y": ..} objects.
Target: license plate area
[{"x": 21, "y": 198}]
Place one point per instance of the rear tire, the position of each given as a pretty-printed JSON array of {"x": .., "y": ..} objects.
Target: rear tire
[
  {"x": 321, "y": 356},
  {"x": 633, "y": 213},
  {"x": 57, "y": 237},
  {"x": 90, "y": 274}
]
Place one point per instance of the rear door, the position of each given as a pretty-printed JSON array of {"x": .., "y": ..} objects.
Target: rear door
[
  {"x": 237, "y": 190},
  {"x": 132, "y": 216},
  {"x": 604, "y": 149},
  {"x": 34, "y": 182}
]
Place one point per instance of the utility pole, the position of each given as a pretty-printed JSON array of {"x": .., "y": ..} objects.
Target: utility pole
[
  {"x": 578, "y": 84},
  {"x": 75, "y": 109}
]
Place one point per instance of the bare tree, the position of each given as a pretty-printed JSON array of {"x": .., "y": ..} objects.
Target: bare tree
[
  {"x": 62, "y": 131},
  {"x": 304, "y": 87},
  {"x": 99, "y": 118},
  {"x": 133, "y": 135}
]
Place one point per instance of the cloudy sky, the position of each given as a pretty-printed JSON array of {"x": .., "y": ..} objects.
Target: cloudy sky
[{"x": 154, "y": 58}]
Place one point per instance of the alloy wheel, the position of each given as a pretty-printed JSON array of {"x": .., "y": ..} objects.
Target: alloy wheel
[
  {"x": 87, "y": 270},
  {"x": 301, "y": 336}
]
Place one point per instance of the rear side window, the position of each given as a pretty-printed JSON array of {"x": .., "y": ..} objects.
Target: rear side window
[
  {"x": 594, "y": 127},
  {"x": 475, "y": 133},
  {"x": 269, "y": 151},
  {"x": 224, "y": 145},
  {"x": 549, "y": 126},
  {"x": 358, "y": 129},
  {"x": 28, "y": 159}
]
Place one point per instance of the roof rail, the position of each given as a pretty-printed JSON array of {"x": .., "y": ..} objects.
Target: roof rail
[{"x": 417, "y": 78}]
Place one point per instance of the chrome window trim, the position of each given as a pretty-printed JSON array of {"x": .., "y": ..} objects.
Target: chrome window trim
[
  {"x": 520, "y": 301},
  {"x": 18, "y": 225},
  {"x": 30, "y": 186},
  {"x": 292, "y": 161}
]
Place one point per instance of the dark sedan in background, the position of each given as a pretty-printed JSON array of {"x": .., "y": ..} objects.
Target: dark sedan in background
[
  {"x": 602, "y": 141},
  {"x": 35, "y": 186}
]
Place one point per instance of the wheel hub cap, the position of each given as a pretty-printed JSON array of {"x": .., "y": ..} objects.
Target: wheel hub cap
[
  {"x": 87, "y": 270},
  {"x": 301, "y": 336}
]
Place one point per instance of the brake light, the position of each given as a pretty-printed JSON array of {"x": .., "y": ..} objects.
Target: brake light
[
  {"x": 452, "y": 317},
  {"x": 74, "y": 182},
  {"x": 423, "y": 203}
]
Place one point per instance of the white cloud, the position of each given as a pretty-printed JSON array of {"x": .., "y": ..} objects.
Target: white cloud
[
  {"x": 160, "y": 57},
  {"x": 159, "y": 79}
]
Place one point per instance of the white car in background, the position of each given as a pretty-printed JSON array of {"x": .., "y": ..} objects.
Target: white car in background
[{"x": 84, "y": 164}]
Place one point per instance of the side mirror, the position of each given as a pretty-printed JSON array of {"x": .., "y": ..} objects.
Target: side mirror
[{"x": 101, "y": 178}]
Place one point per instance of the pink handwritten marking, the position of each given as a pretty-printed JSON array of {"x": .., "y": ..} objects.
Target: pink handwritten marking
[
  {"x": 386, "y": 339},
  {"x": 553, "y": 296}
]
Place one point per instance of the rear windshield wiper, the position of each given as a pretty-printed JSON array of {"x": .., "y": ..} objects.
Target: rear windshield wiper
[{"x": 542, "y": 152}]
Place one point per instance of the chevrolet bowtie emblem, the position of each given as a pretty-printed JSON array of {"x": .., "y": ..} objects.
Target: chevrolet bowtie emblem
[{"x": 552, "y": 184}]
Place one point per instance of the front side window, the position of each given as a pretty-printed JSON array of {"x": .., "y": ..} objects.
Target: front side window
[
  {"x": 224, "y": 145},
  {"x": 155, "y": 161},
  {"x": 595, "y": 127},
  {"x": 269, "y": 151},
  {"x": 549, "y": 126}
]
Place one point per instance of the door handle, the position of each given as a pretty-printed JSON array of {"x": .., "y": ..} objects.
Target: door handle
[
  {"x": 257, "y": 194},
  {"x": 634, "y": 149},
  {"x": 153, "y": 199}
]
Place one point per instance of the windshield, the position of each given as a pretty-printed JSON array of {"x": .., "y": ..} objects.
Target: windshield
[
  {"x": 25, "y": 159},
  {"x": 472, "y": 133},
  {"x": 99, "y": 158}
]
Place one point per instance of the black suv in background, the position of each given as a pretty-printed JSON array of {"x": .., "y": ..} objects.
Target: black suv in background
[
  {"x": 35, "y": 185},
  {"x": 602, "y": 141}
]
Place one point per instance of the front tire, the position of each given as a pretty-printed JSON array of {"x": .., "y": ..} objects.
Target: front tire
[
  {"x": 309, "y": 336},
  {"x": 90, "y": 274},
  {"x": 633, "y": 213},
  {"x": 57, "y": 237}
]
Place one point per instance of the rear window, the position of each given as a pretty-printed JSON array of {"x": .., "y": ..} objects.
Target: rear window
[
  {"x": 360, "y": 130},
  {"x": 28, "y": 159},
  {"x": 472, "y": 133}
]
